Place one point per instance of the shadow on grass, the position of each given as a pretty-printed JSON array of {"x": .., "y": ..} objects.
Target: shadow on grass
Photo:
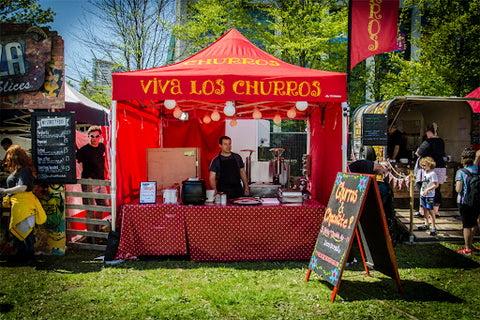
[
  {"x": 386, "y": 289},
  {"x": 433, "y": 255}
]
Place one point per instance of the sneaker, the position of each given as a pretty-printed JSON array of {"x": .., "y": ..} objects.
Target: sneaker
[
  {"x": 433, "y": 232},
  {"x": 423, "y": 227},
  {"x": 465, "y": 251},
  {"x": 418, "y": 214}
]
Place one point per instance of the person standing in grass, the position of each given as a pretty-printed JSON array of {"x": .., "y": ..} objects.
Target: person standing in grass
[
  {"x": 427, "y": 193},
  {"x": 469, "y": 214}
]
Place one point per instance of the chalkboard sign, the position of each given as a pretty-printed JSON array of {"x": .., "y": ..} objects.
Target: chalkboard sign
[
  {"x": 53, "y": 147},
  {"x": 338, "y": 226},
  {"x": 374, "y": 129},
  {"x": 355, "y": 202},
  {"x": 476, "y": 128}
]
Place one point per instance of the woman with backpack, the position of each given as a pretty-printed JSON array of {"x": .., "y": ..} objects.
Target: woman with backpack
[{"x": 468, "y": 213}]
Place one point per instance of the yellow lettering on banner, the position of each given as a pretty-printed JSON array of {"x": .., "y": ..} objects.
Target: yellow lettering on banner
[
  {"x": 301, "y": 86},
  {"x": 262, "y": 62},
  {"x": 207, "y": 87},
  {"x": 236, "y": 85},
  {"x": 374, "y": 25},
  {"x": 248, "y": 61},
  {"x": 292, "y": 87},
  {"x": 274, "y": 63},
  {"x": 145, "y": 88},
  {"x": 193, "y": 87},
  {"x": 252, "y": 85},
  {"x": 278, "y": 88},
  {"x": 200, "y": 62},
  {"x": 164, "y": 87},
  {"x": 215, "y": 61},
  {"x": 316, "y": 85},
  {"x": 176, "y": 89},
  {"x": 221, "y": 89},
  {"x": 190, "y": 62},
  {"x": 262, "y": 89},
  {"x": 234, "y": 61}
]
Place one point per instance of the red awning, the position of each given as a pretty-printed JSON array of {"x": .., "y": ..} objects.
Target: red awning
[
  {"x": 475, "y": 104},
  {"x": 231, "y": 68}
]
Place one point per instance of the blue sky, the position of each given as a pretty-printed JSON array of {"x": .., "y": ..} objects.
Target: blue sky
[{"x": 67, "y": 24}]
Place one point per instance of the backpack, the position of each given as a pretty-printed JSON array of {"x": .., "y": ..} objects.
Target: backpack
[{"x": 472, "y": 196}]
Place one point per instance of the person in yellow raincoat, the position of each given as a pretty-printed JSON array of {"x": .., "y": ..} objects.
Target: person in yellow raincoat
[{"x": 26, "y": 210}]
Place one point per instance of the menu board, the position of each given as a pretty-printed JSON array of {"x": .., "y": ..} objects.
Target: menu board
[
  {"x": 338, "y": 226},
  {"x": 53, "y": 147},
  {"x": 374, "y": 129}
]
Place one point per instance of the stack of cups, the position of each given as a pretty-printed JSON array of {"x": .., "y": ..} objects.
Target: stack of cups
[{"x": 170, "y": 196}]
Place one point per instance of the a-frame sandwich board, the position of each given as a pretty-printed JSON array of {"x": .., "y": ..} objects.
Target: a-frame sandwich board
[{"x": 355, "y": 202}]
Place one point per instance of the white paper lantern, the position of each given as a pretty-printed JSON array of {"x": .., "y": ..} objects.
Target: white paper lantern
[
  {"x": 215, "y": 115},
  {"x": 301, "y": 105},
  {"x": 207, "y": 119},
  {"x": 170, "y": 104},
  {"x": 291, "y": 113},
  {"x": 233, "y": 122},
  {"x": 229, "y": 109},
  {"x": 256, "y": 114},
  {"x": 177, "y": 113},
  {"x": 277, "y": 119}
]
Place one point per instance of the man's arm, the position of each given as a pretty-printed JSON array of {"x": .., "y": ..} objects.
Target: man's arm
[
  {"x": 243, "y": 175},
  {"x": 212, "y": 179},
  {"x": 395, "y": 151}
]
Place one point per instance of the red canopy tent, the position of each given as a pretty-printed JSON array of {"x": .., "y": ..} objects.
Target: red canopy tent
[
  {"x": 231, "y": 69},
  {"x": 475, "y": 104}
]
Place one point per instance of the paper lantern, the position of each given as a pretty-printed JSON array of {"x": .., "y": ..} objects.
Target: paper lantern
[
  {"x": 277, "y": 119},
  {"x": 233, "y": 122},
  {"x": 256, "y": 114},
  {"x": 177, "y": 113},
  {"x": 301, "y": 105},
  {"x": 215, "y": 115},
  {"x": 229, "y": 109},
  {"x": 170, "y": 104},
  {"x": 291, "y": 113},
  {"x": 207, "y": 119}
]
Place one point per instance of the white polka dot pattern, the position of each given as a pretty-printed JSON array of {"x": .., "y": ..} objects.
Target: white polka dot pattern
[{"x": 221, "y": 233}]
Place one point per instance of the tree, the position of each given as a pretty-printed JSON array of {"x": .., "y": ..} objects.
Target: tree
[
  {"x": 133, "y": 34},
  {"x": 449, "y": 64},
  {"x": 302, "y": 32},
  {"x": 25, "y": 11}
]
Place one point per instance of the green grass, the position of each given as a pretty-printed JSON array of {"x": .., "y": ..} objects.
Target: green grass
[{"x": 438, "y": 283}]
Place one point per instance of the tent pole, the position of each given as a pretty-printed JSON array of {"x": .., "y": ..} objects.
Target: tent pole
[
  {"x": 345, "y": 116},
  {"x": 113, "y": 156}
]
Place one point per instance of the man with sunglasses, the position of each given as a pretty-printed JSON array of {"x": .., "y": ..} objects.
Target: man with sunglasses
[{"x": 92, "y": 158}]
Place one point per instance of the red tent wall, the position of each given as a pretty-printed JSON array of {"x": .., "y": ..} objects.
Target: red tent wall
[
  {"x": 138, "y": 129},
  {"x": 325, "y": 149},
  {"x": 192, "y": 133}
]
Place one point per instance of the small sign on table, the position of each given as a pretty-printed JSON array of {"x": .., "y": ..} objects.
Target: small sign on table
[{"x": 148, "y": 192}]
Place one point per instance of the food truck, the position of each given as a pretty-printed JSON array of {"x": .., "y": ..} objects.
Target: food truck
[{"x": 458, "y": 126}]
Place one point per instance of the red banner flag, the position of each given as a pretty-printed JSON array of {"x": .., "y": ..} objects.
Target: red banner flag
[{"x": 374, "y": 28}]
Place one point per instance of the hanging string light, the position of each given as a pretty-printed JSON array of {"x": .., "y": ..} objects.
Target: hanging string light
[
  {"x": 291, "y": 113},
  {"x": 229, "y": 109},
  {"x": 277, "y": 118},
  {"x": 207, "y": 119},
  {"x": 177, "y": 113},
  {"x": 256, "y": 114},
  {"x": 301, "y": 105},
  {"x": 215, "y": 115},
  {"x": 233, "y": 122},
  {"x": 170, "y": 104}
]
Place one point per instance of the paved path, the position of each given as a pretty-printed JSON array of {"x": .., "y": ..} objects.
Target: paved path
[{"x": 449, "y": 226}]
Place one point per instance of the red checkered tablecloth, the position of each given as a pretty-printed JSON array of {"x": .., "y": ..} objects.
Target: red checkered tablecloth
[
  {"x": 249, "y": 233},
  {"x": 152, "y": 229}
]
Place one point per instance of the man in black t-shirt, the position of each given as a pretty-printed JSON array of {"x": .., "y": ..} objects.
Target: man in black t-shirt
[
  {"x": 396, "y": 148},
  {"x": 92, "y": 157}
]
